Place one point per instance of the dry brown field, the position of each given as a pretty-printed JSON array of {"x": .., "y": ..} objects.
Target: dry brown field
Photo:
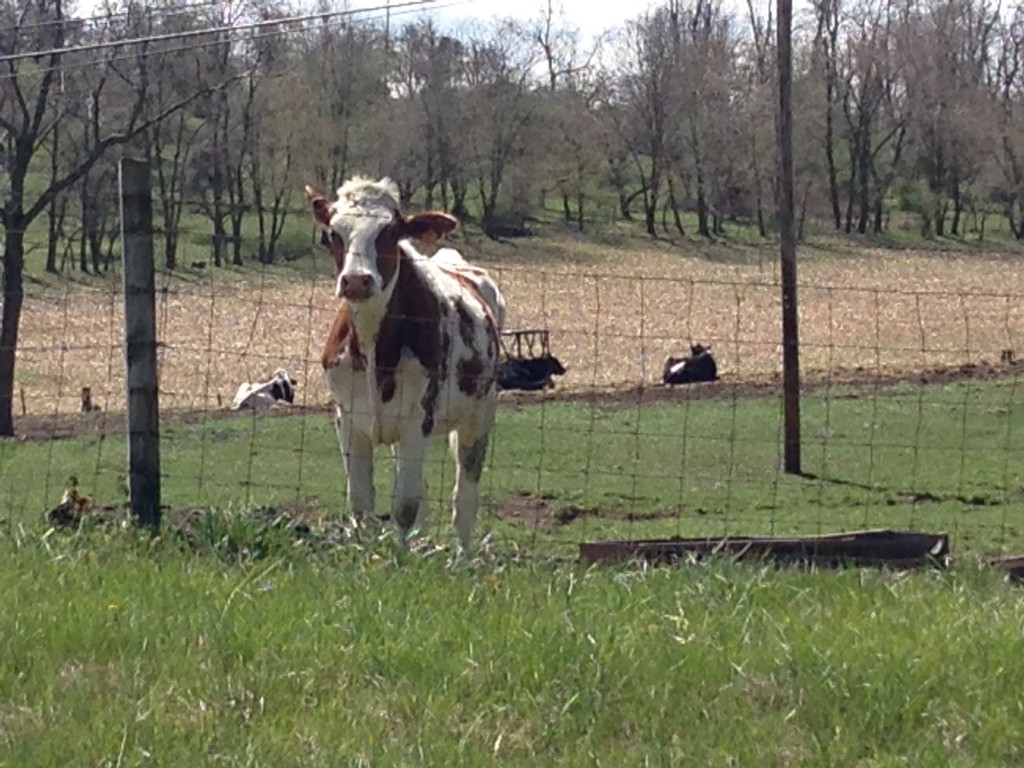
[{"x": 613, "y": 314}]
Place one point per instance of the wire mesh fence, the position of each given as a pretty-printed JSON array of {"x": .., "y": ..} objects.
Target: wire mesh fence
[{"x": 909, "y": 418}]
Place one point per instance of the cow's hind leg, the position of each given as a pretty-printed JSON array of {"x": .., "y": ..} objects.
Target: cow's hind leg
[
  {"x": 357, "y": 453},
  {"x": 469, "y": 458}
]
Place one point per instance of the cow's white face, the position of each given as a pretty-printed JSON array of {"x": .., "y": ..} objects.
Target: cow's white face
[
  {"x": 364, "y": 271},
  {"x": 362, "y": 228}
]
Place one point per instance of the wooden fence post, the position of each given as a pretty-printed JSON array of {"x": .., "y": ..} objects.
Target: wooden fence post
[
  {"x": 790, "y": 323},
  {"x": 140, "y": 342}
]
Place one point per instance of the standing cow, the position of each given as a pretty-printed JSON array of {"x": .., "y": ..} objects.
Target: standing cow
[{"x": 412, "y": 351}]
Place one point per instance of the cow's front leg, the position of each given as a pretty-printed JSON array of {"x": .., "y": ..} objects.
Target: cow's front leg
[
  {"x": 419, "y": 526},
  {"x": 357, "y": 453},
  {"x": 409, "y": 502}
]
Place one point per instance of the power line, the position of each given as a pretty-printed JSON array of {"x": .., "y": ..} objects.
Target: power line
[
  {"x": 311, "y": 17},
  {"x": 37, "y": 71},
  {"x": 166, "y": 12}
]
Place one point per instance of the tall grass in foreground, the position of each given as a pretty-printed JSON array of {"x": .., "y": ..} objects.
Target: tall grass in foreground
[{"x": 118, "y": 652}]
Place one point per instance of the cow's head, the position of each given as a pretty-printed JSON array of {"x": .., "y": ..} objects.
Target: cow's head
[{"x": 362, "y": 229}]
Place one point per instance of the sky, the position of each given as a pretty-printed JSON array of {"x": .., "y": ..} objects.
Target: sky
[{"x": 590, "y": 17}]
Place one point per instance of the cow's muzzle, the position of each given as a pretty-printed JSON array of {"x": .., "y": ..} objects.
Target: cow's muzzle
[{"x": 357, "y": 286}]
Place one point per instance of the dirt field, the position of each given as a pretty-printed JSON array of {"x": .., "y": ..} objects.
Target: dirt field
[{"x": 613, "y": 317}]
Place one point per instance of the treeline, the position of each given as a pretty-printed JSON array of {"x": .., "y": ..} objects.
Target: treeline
[{"x": 901, "y": 106}]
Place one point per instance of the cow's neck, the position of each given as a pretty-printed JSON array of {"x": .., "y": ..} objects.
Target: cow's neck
[{"x": 367, "y": 316}]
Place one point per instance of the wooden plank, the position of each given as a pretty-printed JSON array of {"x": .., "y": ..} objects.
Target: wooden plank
[{"x": 898, "y": 549}]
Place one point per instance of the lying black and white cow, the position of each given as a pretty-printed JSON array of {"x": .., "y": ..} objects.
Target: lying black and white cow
[
  {"x": 529, "y": 373},
  {"x": 262, "y": 395},
  {"x": 699, "y": 366}
]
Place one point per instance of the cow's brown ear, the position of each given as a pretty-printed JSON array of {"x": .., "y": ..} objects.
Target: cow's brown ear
[
  {"x": 429, "y": 227},
  {"x": 319, "y": 208}
]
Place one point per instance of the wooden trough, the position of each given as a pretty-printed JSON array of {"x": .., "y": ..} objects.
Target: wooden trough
[
  {"x": 537, "y": 343},
  {"x": 894, "y": 549}
]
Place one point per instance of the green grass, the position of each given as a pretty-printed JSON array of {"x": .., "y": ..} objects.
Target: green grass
[
  {"x": 246, "y": 646},
  {"x": 937, "y": 458},
  {"x": 119, "y": 652}
]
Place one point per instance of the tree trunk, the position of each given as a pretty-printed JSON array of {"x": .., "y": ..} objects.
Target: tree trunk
[
  {"x": 278, "y": 217},
  {"x": 675, "y": 208},
  {"x": 833, "y": 176},
  {"x": 1017, "y": 227},
  {"x": 53, "y": 220},
  {"x": 851, "y": 185},
  {"x": 219, "y": 235},
  {"x": 237, "y": 198},
  {"x": 702, "y": 209},
  {"x": 14, "y": 295},
  {"x": 96, "y": 249},
  {"x": 650, "y": 210},
  {"x": 52, "y": 237},
  {"x": 87, "y": 201},
  {"x": 262, "y": 251},
  {"x": 864, "y": 174},
  {"x": 940, "y": 218},
  {"x": 958, "y": 208},
  {"x": 758, "y": 187},
  {"x": 236, "y": 240},
  {"x": 170, "y": 245}
]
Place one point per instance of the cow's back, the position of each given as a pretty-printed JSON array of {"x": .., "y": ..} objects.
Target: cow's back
[{"x": 450, "y": 261}]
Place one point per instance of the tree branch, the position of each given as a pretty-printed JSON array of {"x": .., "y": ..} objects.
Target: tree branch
[
  {"x": 18, "y": 95},
  {"x": 8, "y": 126},
  {"x": 97, "y": 152}
]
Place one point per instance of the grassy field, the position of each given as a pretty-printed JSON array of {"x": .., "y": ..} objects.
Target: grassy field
[
  {"x": 123, "y": 652},
  {"x": 229, "y": 641},
  {"x": 939, "y": 457}
]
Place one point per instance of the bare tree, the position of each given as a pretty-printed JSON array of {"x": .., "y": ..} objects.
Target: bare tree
[
  {"x": 948, "y": 46},
  {"x": 172, "y": 141},
  {"x": 826, "y": 41},
  {"x": 1008, "y": 86},
  {"x": 574, "y": 88},
  {"x": 498, "y": 65},
  {"x": 273, "y": 170},
  {"x": 871, "y": 91},
  {"x": 643, "y": 87},
  {"x": 343, "y": 63},
  {"x": 430, "y": 73},
  {"x": 27, "y": 119}
]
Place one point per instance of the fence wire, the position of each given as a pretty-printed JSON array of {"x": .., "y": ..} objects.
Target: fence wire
[{"x": 910, "y": 403}]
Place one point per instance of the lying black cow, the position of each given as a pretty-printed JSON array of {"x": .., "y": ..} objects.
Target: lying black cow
[
  {"x": 699, "y": 366},
  {"x": 529, "y": 374}
]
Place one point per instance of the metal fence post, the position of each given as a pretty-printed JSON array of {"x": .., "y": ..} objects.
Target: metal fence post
[{"x": 140, "y": 342}]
